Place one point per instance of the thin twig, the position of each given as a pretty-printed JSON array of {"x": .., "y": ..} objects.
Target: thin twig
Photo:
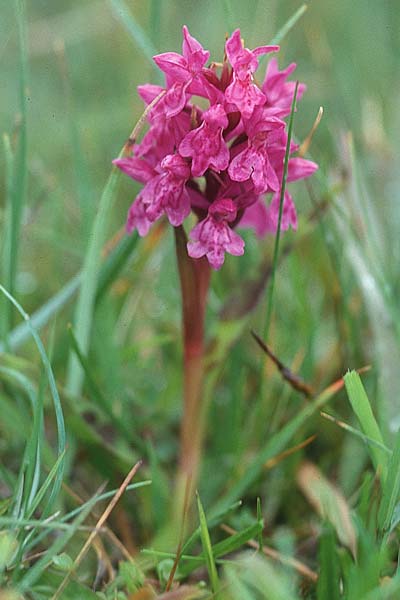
[
  {"x": 276, "y": 459},
  {"x": 294, "y": 380},
  {"x": 304, "y": 146},
  {"x": 96, "y": 530}
]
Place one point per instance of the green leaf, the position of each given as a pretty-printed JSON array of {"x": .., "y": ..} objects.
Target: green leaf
[
  {"x": 90, "y": 275},
  {"x": 276, "y": 444},
  {"x": 391, "y": 489},
  {"x": 253, "y": 577},
  {"x": 362, "y": 408},
  {"x": 55, "y": 397},
  {"x": 63, "y": 561},
  {"x": 8, "y": 546},
  {"x": 36, "y": 570},
  {"x": 17, "y": 171},
  {"x": 207, "y": 548},
  {"x": 227, "y": 546},
  {"x": 329, "y": 567}
]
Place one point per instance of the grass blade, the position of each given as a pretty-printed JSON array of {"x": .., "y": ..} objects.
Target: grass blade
[
  {"x": 362, "y": 408},
  {"x": 101, "y": 521},
  {"x": 278, "y": 230},
  {"x": 113, "y": 264},
  {"x": 120, "y": 424},
  {"x": 142, "y": 40},
  {"x": 329, "y": 577},
  {"x": 90, "y": 274},
  {"x": 207, "y": 548},
  {"x": 391, "y": 489},
  {"x": 20, "y": 170},
  {"x": 54, "y": 393},
  {"x": 275, "y": 445},
  {"x": 231, "y": 544},
  {"x": 290, "y": 23},
  {"x": 92, "y": 263},
  {"x": 216, "y": 520},
  {"x": 109, "y": 271},
  {"x": 367, "y": 440},
  {"x": 16, "y": 169},
  {"x": 33, "y": 574},
  {"x": 6, "y": 243}
]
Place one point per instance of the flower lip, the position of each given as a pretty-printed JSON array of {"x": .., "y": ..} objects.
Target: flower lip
[{"x": 223, "y": 209}]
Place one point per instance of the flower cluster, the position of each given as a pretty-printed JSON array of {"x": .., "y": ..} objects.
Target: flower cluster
[{"x": 220, "y": 160}]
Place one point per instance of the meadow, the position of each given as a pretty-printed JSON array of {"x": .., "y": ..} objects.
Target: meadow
[{"x": 295, "y": 436}]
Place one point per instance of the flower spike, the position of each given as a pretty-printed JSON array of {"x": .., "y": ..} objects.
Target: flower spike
[{"x": 219, "y": 161}]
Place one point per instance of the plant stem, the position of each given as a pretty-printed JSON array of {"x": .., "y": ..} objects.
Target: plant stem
[{"x": 194, "y": 279}]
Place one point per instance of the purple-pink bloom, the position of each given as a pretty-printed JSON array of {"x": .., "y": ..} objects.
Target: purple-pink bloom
[
  {"x": 256, "y": 217},
  {"x": 253, "y": 160},
  {"x": 213, "y": 236},
  {"x": 165, "y": 133},
  {"x": 205, "y": 145},
  {"x": 279, "y": 92},
  {"x": 236, "y": 144},
  {"x": 243, "y": 92},
  {"x": 300, "y": 168},
  {"x": 166, "y": 192},
  {"x": 136, "y": 168},
  {"x": 183, "y": 71},
  {"x": 289, "y": 215},
  {"x": 137, "y": 217},
  {"x": 264, "y": 219}
]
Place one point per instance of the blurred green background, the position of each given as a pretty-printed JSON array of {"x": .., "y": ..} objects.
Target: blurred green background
[{"x": 336, "y": 305}]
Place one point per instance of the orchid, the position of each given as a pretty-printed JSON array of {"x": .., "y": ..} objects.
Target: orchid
[{"x": 217, "y": 161}]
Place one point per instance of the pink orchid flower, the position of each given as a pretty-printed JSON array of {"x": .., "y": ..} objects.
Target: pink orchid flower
[
  {"x": 222, "y": 162},
  {"x": 213, "y": 236},
  {"x": 183, "y": 71},
  {"x": 243, "y": 92},
  {"x": 205, "y": 145}
]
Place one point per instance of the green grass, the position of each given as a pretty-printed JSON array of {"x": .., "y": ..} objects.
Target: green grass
[{"x": 90, "y": 322}]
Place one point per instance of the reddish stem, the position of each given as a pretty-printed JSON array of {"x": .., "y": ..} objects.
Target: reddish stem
[{"x": 194, "y": 277}]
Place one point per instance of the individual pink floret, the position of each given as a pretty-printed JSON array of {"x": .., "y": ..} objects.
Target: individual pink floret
[
  {"x": 136, "y": 168},
  {"x": 254, "y": 161},
  {"x": 205, "y": 145},
  {"x": 300, "y": 168},
  {"x": 279, "y": 92},
  {"x": 213, "y": 236},
  {"x": 264, "y": 219},
  {"x": 137, "y": 218},
  {"x": 165, "y": 133},
  {"x": 289, "y": 214},
  {"x": 255, "y": 217},
  {"x": 166, "y": 192},
  {"x": 243, "y": 92},
  {"x": 183, "y": 71}
]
